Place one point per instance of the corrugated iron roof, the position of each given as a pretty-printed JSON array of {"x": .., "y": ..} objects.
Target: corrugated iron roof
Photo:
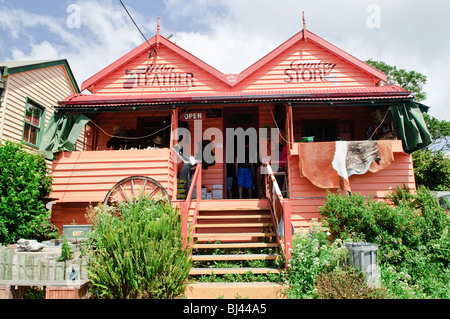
[{"x": 331, "y": 94}]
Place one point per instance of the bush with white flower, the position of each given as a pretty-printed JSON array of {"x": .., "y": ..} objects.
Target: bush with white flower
[{"x": 312, "y": 254}]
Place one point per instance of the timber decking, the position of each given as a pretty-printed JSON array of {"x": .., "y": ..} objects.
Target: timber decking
[{"x": 231, "y": 232}]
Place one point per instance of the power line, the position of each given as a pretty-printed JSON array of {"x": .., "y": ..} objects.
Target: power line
[{"x": 137, "y": 27}]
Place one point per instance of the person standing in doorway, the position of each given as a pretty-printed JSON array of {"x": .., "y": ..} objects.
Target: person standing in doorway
[
  {"x": 231, "y": 175},
  {"x": 245, "y": 172}
]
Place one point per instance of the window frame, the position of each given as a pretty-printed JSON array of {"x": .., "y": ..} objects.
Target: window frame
[{"x": 41, "y": 125}]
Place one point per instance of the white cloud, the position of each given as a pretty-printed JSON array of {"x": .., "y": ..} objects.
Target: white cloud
[
  {"x": 238, "y": 32},
  {"x": 41, "y": 51},
  {"x": 106, "y": 33},
  {"x": 231, "y": 35}
]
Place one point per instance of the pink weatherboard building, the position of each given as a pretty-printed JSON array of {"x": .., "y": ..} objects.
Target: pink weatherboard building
[{"x": 316, "y": 119}]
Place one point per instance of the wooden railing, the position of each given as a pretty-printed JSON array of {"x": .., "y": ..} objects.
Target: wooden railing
[
  {"x": 281, "y": 212},
  {"x": 185, "y": 207},
  {"x": 290, "y": 122},
  {"x": 173, "y": 174}
]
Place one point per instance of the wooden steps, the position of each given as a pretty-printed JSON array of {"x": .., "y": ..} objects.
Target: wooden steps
[
  {"x": 233, "y": 225},
  {"x": 236, "y": 257},
  {"x": 231, "y": 237},
  {"x": 241, "y": 270},
  {"x": 211, "y": 235},
  {"x": 235, "y": 216},
  {"x": 233, "y": 290},
  {"x": 235, "y": 245},
  {"x": 222, "y": 220}
]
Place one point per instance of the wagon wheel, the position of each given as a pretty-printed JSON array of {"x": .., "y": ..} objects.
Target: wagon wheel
[{"x": 132, "y": 188}]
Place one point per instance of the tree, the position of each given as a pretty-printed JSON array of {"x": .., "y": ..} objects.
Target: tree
[
  {"x": 409, "y": 80},
  {"x": 431, "y": 167},
  {"x": 414, "y": 81},
  {"x": 24, "y": 182},
  {"x": 440, "y": 133}
]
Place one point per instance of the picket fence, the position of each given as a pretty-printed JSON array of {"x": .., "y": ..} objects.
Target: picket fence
[{"x": 17, "y": 266}]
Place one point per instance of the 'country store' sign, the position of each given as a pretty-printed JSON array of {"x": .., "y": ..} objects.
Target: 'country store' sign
[{"x": 299, "y": 71}]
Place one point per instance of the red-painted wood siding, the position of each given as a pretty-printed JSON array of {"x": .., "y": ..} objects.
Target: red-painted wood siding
[
  {"x": 202, "y": 80},
  {"x": 265, "y": 115},
  {"x": 68, "y": 213},
  {"x": 129, "y": 120},
  {"x": 272, "y": 75},
  {"x": 214, "y": 174},
  {"x": 88, "y": 176},
  {"x": 305, "y": 198}
]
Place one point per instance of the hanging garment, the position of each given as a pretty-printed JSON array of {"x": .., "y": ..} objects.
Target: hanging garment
[
  {"x": 61, "y": 133},
  {"x": 410, "y": 126}
]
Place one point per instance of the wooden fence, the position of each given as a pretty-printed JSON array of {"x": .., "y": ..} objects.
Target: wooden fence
[{"x": 21, "y": 266}]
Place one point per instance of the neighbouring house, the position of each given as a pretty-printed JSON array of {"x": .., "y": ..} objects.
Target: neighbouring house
[
  {"x": 29, "y": 92},
  {"x": 318, "y": 119}
]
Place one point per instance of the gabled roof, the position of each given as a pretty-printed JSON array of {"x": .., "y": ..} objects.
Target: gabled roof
[
  {"x": 303, "y": 35},
  {"x": 306, "y": 35},
  {"x": 155, "y": 41},
  {"x": 13, "y": 67}
]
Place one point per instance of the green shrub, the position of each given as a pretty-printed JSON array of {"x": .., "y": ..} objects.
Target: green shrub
[
  {"x": 24, "y": 181},
  {"x": 412, "y": 235},
  {"x": 138, "y": 253},
  {"x": 432, "y": 169},
  {"x": 66, "y": 251},
  {"x": 312, "y": 254},
  {"x": 346, "y": 284}
]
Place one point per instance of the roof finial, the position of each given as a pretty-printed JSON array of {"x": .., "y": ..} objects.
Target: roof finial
[
  {"x": 305, "y": 32},
  {"x": 157, "y": 34}
]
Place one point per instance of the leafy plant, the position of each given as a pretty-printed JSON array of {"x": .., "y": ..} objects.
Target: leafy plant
[
  {"x": 24, "y": 182},
  {"x": 66, "y": 251},
  {"x": 346, "y": 284},
  {"x": 412, "y": 234},
  {"x": 312, "y": 254},
  {"x": 409, "y": 80},
  {"x": 138, "y": 253},
  {"x": 432, "y": 169}
]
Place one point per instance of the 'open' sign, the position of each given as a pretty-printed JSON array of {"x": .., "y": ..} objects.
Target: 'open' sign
[{"x": 190, "y": 116}]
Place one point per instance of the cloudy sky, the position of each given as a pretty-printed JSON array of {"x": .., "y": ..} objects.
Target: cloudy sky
[{"x": 230, "y": 35}]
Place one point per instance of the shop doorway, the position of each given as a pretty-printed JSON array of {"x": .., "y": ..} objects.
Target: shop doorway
[{"x": 236, "y": 118}]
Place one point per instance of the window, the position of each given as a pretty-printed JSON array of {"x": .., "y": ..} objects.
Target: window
[
  {"x": 322, "y": 131},
  {"x": 34, "y": 123},
  {"x": 159, "y": 126}
]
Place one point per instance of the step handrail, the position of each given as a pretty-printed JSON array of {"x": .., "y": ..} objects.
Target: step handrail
[
  {"x": 280, "y": 209},
  {"x": 186, "y": 205}
]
